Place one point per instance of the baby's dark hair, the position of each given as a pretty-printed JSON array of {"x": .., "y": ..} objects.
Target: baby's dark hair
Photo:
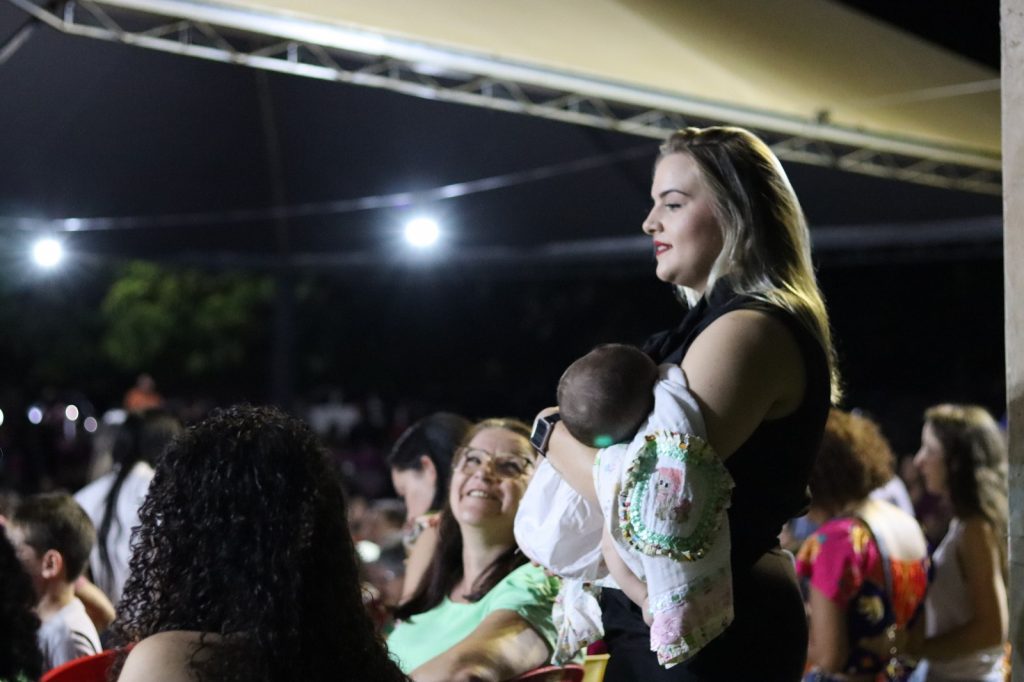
[
  {"x": 606, "y": 395},
  {"x": 56, "y": 521}
]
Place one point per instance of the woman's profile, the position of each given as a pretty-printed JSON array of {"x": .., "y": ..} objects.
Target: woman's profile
[
  {"x": 728, "y": 232},
  {"x": 963, "y": 459}
]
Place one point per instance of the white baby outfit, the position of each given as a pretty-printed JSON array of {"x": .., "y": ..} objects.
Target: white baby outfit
[{"x": 664, "y": 497}]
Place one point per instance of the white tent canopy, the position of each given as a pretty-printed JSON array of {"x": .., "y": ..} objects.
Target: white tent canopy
[{"x": 824, "y": 83}]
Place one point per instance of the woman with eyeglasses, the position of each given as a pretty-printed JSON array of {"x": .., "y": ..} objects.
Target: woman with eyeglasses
[{"x": 480, "y": 611}]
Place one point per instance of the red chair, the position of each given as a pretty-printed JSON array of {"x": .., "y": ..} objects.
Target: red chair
[
  {"x": 552, "y": 673},
  {"x": 86, "y": 669}
]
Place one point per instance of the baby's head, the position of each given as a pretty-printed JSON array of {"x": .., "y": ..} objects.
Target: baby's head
[{"x": 606, "y": 395}]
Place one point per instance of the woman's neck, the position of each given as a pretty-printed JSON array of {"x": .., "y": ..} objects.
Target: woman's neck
[
  {"x": 479, "y": 550},
  {"x": 820, "y": 515}
]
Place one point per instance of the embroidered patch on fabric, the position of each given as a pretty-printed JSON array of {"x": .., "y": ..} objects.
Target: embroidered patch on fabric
[{"x": 674, "y": 496}]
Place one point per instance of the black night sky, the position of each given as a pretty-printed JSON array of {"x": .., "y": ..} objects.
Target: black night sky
[{"x": 96, "y": 129}]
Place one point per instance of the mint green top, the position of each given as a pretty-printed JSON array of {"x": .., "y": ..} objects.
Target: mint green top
[{"x": 526, "y": 590}]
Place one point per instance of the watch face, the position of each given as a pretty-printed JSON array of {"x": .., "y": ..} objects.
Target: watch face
[
  {"x": 539, "y": 437},
  {"x": 542, "y": 433}
]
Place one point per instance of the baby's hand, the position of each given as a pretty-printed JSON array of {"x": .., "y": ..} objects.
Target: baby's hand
[{"x": 547, "y": 571}]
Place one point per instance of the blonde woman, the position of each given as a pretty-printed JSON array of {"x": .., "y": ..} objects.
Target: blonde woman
[{"x": 728, "y": 232}]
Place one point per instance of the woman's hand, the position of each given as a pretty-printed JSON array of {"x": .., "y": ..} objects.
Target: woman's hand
[
  {"x": 97, "y": 606},
  {"x": 914, "y": 639}
]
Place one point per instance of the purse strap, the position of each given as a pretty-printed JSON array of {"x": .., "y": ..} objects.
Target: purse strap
[
  {"x": 895, "y": 670},
  {"x": 883, "y": 552}
]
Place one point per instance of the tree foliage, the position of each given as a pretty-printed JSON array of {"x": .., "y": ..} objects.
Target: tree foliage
[
  {"x": 49, "y": 325},
  {"x": 184, "y": 322}
]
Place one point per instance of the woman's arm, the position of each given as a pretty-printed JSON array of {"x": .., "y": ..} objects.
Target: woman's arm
[
  {"x": 573, "y": 460},
  {"x": 99, "y": 609},
  {"x": 502, "y": 646},
  {"x": 828, "y": 645},
  {"x": 419, "y": 560},
  {"x": 744, "y": 368},
  {"x": 978, "y": 557}
]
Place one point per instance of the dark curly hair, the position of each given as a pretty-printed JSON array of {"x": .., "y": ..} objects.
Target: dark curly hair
[
  {"x": 854, "y": 459},
  {"x": 445, "y": 570},
  {"x": 974, "y": 451},
  {"x": 243, "y": 535},
  {"x": 19, "y": 654}
]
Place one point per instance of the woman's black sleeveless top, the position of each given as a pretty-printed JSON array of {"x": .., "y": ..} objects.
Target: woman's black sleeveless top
[
  {"x": 772, "y": 467},
  {"x": 767, "y": 640}
]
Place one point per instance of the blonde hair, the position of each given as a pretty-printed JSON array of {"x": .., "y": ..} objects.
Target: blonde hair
[
  {"x": 766, "y": 250},
  {"x": 515, "y": 426}
]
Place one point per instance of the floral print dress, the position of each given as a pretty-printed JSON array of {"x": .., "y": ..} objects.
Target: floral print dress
[{"x": 841, "y": 559}]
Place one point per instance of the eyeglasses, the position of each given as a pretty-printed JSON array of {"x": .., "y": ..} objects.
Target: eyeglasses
[{"x": 503, "y": 464}]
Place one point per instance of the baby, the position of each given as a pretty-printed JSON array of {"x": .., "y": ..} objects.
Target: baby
[{"x": 661, "y": 534}]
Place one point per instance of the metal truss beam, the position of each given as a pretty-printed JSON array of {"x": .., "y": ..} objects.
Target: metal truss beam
[{"x": 414, "y": 70}]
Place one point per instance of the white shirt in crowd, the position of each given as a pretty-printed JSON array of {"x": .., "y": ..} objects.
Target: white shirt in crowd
[
  {"x": 68, "y": 635},
  {"x": 93, "y": 499}
]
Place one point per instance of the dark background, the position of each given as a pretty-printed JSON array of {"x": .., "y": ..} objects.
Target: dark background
[{"x": 96, "y": 129}]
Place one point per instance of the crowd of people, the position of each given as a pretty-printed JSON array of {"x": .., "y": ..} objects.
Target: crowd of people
[{"x": 648, "y": 515}]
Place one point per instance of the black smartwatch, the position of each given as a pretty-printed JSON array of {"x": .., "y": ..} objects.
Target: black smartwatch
[{"x": 542, "y": 428}]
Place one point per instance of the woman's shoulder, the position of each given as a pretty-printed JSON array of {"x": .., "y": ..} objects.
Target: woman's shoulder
[
  {"x": 527, "y": 579},
  {"x": 527, "y": 574},
  {"x": 840, "y": 533},
  {"x": 746, "y": 367},
  {"x": 973, "y": 532},
  {"x": 163, "y": 657},
  {"x": 767, "y": 325},
  {"x": 142, "y": 471},
  {"x": 94, "y": 494},
  {"x": 756, "y": 327}
]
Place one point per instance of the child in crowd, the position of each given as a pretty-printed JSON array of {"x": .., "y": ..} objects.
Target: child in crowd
[
  {"x": 52, "y": 537},
  {"x": 661, "y": 534}
]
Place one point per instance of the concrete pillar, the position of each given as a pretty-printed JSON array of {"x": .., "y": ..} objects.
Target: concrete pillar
[{"x": 1012, "y": 22}]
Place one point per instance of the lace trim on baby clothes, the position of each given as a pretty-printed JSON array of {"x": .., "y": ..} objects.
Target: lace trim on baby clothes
[
  {"x": 685, "y": 620},
  {"x": 577, "y": 616},
  {"x": 674, "y": 497}
]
